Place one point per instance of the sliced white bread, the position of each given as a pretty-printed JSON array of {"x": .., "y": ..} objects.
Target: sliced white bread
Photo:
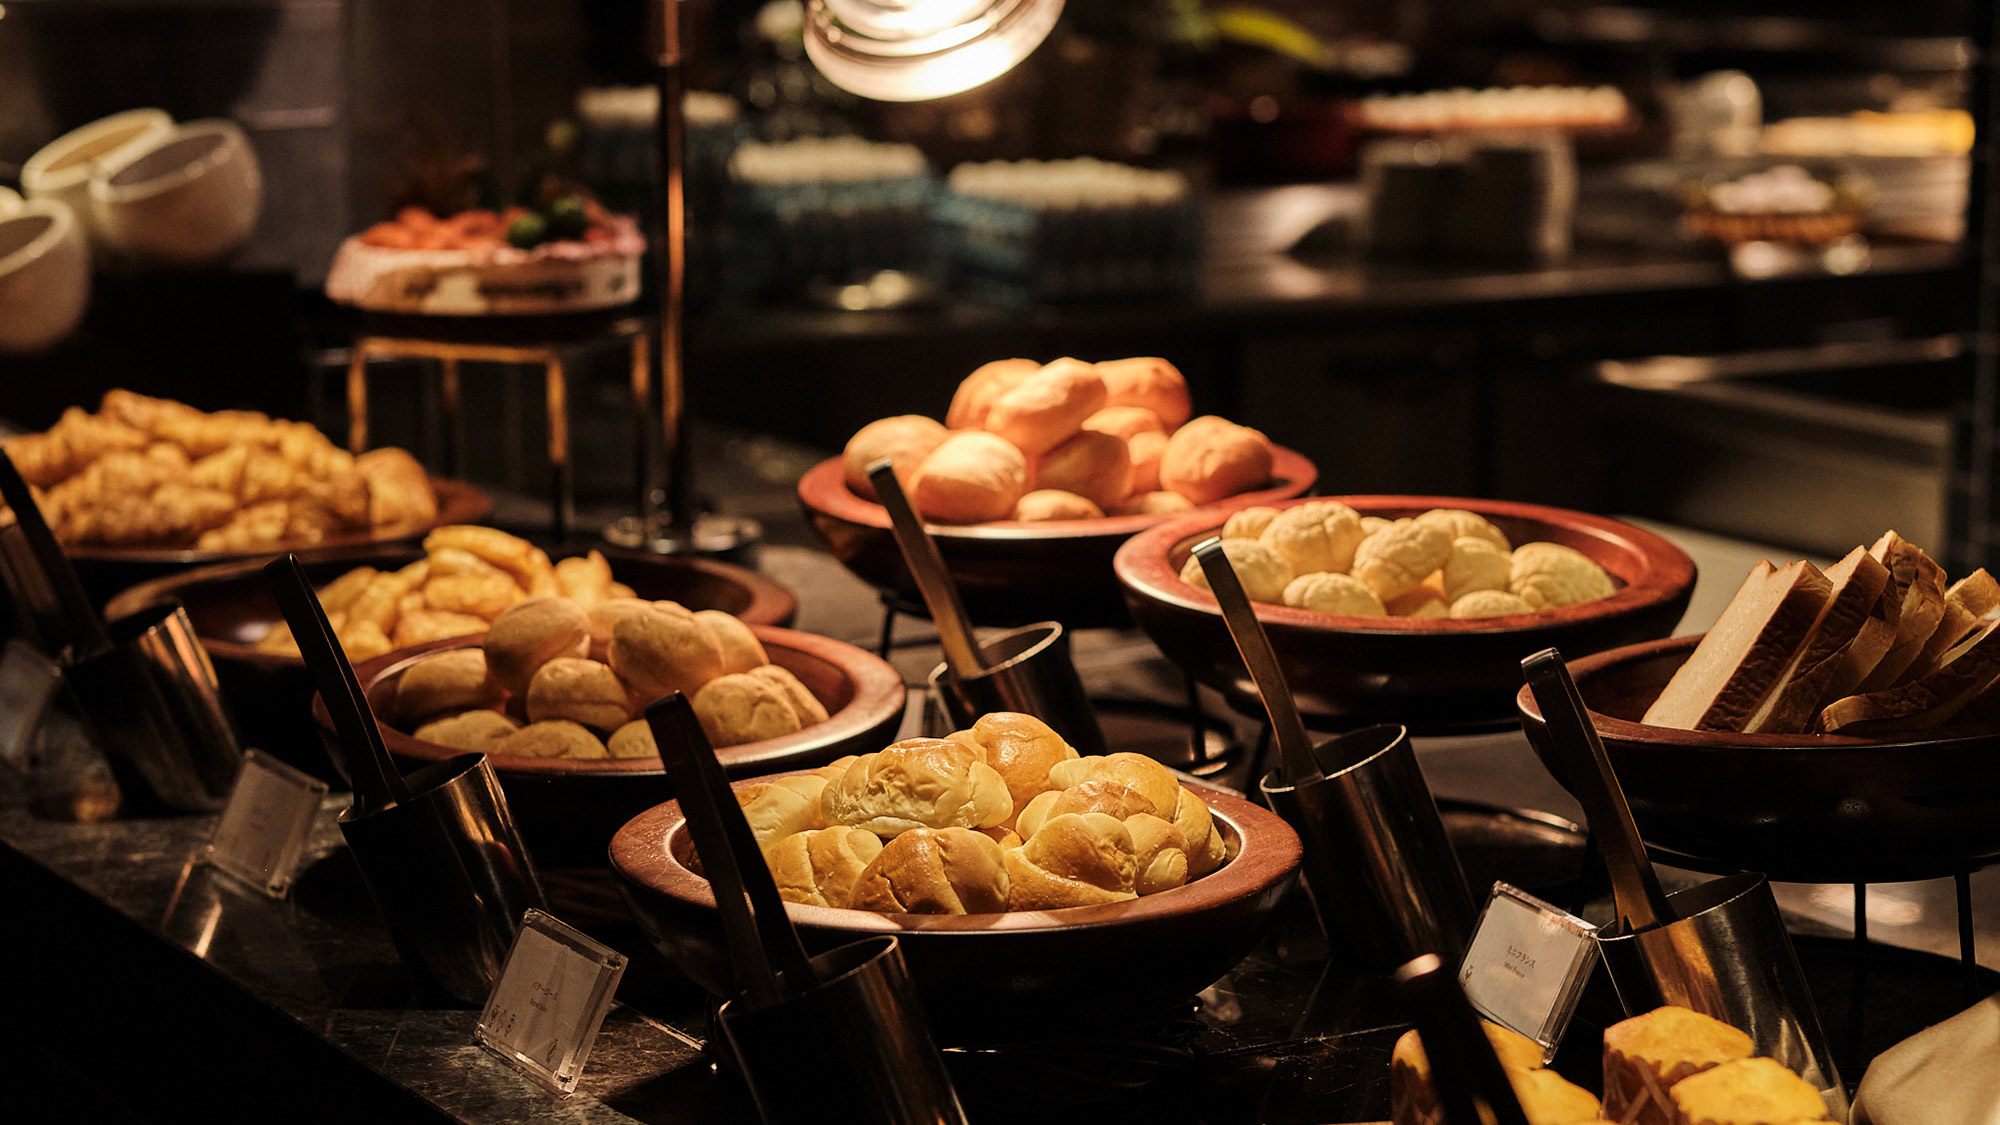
[
  {"x": 1922, "y": 584},
  {"x": 1976, "y": 593},
  {"x": 1873, "y": 642},
  {"x": 1737, "y": 662},
  {"x": 1953, "y": 627},
  {"x": 1857, "y": 584},
  {"x": 1931, "y": 701}
]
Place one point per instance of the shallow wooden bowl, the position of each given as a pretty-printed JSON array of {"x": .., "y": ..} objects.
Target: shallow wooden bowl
[
  {"x": 270, "y": 695},
  {"x": 1011, "y": 573},
  {"x": 1808, "y": 808},
  {"x": 568, "y": 810},
  {"x": 987, "y": 977},
  {"x": 1426, "y": 673}
]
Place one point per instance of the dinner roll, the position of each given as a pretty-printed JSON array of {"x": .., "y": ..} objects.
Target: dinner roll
[
  {"x": 1263, "y": 572},
  {"x": 934, "y": 871},
  {"x": 448, "y": 681},
  {"x": 1054, "y": 504},
  {"x": 1145, "y": 451},
  {"x": 554, "y": 738},
  {"x": 1043, "y": 410},
  {"x": 1475, "y": 564},
  {"x": 1489, "y": 603},
  {"x": 1020, "y": 748},
  {"x": 1550, "y": 576},
  {"x": 1149, "y": 382},
  {"x": 819, "y": 867},
  {"x": 1144, "y": 776},
  {"x": 1107, "y": 797},
  {"x": 530, "y": 635},
  {"x": 1397, "y": 559},
  {"x": 971, "y": 477},
  {"x": 905, "y": 439},
  {"x": 741, "y": 650},
  {"x": 975, "y": 395},
  {"x": 1323, "y": 592},
  {"x": 1159, "y": 852},
  {"x": 1318, "y": 536},
  {"x": 581, "y": 690},
  {"x": 658, "y": 654},
  {"x": 633, "y": 740},
  {"x": 919, "y": 783},
  {"x": 737, "y": 708},
  {"x": 1210, "y": 460},
  {"x": 1153, "y": 504},
  {"x": 1077, "y": 859},
  {"x": 776, "y": 809},
  {"x": 476, "y": 731},
  {"x": 1461, "y": 524},
  {"x": 1095, "y": 466},
  {"x": 605, "y": 616},
  {"x": 804, "y": 703},
  {"x": 1125, "y": 422},
  {"x": 1249, "y": 523}
]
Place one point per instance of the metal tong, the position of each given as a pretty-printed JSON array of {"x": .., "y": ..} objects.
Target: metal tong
[
  {"x": 920, "y": 554},
  {"x": 764, "y": 948},
  {"x": 83, "y": 627},
  {"x": 378, "y": 784},
  {"x": 1295, "y": 747},
  {"x": 1635, "y": 887},
  {"x": 1463, "y": 1065}
]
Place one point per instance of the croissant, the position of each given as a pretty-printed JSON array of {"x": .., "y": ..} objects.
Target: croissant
[
  {"x": 1077, "y": 859},
  {"x": 776, "y": 809},
  {"x": 941, "y": 871},
  {"x": 918, "y": 783},
  {"x": 819, "y": 867},
  {"x": 1021, "y": 748}
]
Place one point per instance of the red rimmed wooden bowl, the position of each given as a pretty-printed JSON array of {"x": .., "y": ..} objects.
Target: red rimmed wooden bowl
[
  {"x": 1806, "y": 808},
  {"x": 270, "y": 695},
  {"x": 1426, "y": 673},
  {"x": 987, "y": 977},
  {"x": 568, "y": 810},
  {"x": 1008, "y": 572}
]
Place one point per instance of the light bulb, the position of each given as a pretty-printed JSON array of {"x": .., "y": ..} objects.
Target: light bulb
[{"x": 914, "y": 50}]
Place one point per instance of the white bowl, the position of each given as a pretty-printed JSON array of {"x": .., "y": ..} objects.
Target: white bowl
[
  {"x": 44, "y": 275},
  {"x": 187, "y": 198},
  {"x": 62, "y": 169}
]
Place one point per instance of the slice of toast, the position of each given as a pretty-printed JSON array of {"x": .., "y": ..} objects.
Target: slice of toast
[
  {"x": 1934, "y": 700},
  {"x": 1921, "y": 582},
  {"x": 1738, "y": 661},
  {"x": 1857, "y": 584},
  {"x": 1976, "y": 593}
]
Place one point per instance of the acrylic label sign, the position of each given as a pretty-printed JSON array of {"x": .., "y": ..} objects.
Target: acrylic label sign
[
  {"x": 28, "y": 681},
  {"x": 1527, "y": 965},
  {"x": 266, "y": 825},
  {"x": 545, "y": 1011}
]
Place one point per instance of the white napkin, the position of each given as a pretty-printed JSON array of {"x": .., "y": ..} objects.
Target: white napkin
[{"x": 1943, "y": 1075}]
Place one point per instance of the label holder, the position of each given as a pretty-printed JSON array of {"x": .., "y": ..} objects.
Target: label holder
[
  {"x": 28, "y": 682},
  {"x": 545, "y": 1011},
  {"x": 1527, "y": 964},
  {"x": 267, "y": 823}
]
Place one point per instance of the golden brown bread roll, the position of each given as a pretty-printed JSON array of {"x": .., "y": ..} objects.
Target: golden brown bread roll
[
  {"x": 919, "y": 783},
  {"x": 1125, "y": 422},
  {"x": 1146, "y": 450},
  {"x": 422, "y": 626},
  {"x": 1077, "y": 859},
  {"x": 1249, "y": 523},
  {"x": 1054, "y": 504},
  {"x": 1263, "y": 572},
  {"x": 737, "y": 708},
  {"x": 1159, "y": 852},
  {"x": 741, "y": 650},
  {"x": 584, "y": 579},
  {"x": 934, "y": 871},
  {"x": 1095, "y": 466},
  {"x": 804, "y": 703},
  {"x": 530, "y": 635},
  {"x": 971, "y": 477},
  {"x": 1550, "y": 576},
  {"x": 1461, "y": 524},
  {"x": 480, "y": 732},
  {"x": 975, "y": 395},
  {"x": 1475, "y": 564},
  {"x": 1107, "y": 797},
  {"x": 832, "y": 770},
  {"x": 1420, "y": 602},
  {"x": 1021, "y": 749},
  {"x": 776, "y": 809},
  {"x": 1206, "y": 847},
  {"x": 448, "y": 681},
  {"x": 1489, "y": 603},
  {"x": 658, "y": 654},
  {"x": 1645, "y": 1055},
  {"x": 605, "y": 616},
  {"x": 1153, "y": 504},
  {"x": 905, "y": 439},
  {"x": 1149, "y": 382},
  {"x": 1333, "y": 593},
  {"x": 819, "y": 867},
  {"x": 1211, "y": 459},
  {"x": 1144, "y": 776},
  {"x": 1043, "y": 410},
  {"x": 1318, "y": 536},
  {"x": 1397, "y": 559},
  {"x": 633, "y": 740},
  {"x": 555, "y": 738},
  {"x": 580, "y": 690}
]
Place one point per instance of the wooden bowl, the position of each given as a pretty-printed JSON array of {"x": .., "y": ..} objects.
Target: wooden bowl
[
  {"x": 1807, "y": 808},
  {"x": 1008, "y": 572},
  {"x": 568, "y": 810},
  {"x": 986, "y": 977},
  {"x": 1426, "y": 673},
  {"x": 269, "y": 694}
]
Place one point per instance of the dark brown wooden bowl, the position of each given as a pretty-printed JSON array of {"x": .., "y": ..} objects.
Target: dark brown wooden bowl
[
  {"x": 987, "y": 977},
  {"x": 1008, "y": 572},
  {"x": 107, "y": 570},
  {"x": 568, "y": 810},
  {"x": 1806, "y": 808},
  {"x": 1429, "y": 674},
  {"x": 270, "y": 695}
]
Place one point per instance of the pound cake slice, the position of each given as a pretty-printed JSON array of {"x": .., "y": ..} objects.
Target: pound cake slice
[
  {"x": 1746, "y": 1092},
  {"x": 1857, "y": 584},
  {"x": 1645, "y": 1055},
  {"x": 1738, "y": 661},
  {"x": 1921, "y": 583}
]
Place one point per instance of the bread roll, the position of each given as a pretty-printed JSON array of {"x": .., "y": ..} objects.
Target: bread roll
[
  {"x": 1146, "y": 450},
  {"x": 971, "y": 477},
  {"x": 1077, "y": 859},
  {"x": 934, "y": 871},
  {"x": 737, "y": 708},
  {"x": 1461, "y": 524},
  {"x": 1149, "y": 382},
  {"x": 1095, "y": 466},
  {"x": 776, "y": 809},
  {"x": 1333, "y": 593},
  {"x": 605, "y": 616},
  {"x": 1151, "y": 780},
  {"x": 1206, "y": 848},
  {"x": 1550, "y": 576},
  {"x": 919, "y": 783},
  {"x": 480, "y": 732},
  {"x": 804, "y": 703},
  {"x": 580, "y": 690},
  {"x": 1153, "y": 504},
  {"x": 1043, "y": 410},
  {"x": 975, "y": 395},
  {"x": 905, "y": 439},
  {"x": 1397, "y": 559},
  {"x": 1160, "y": 854},
  {"x": 633, "y": 740},
  {"x": 1107, "y": 797},
  {"x": 1021, "y": 749},
  {"x": 1263, "y": 572},
  {"x": 1647, "y": 1054},
  {"x": 1045, "y": 504},
  {"x": 819, "y": 867},
  {"x": 1746, "y": 1092},
  {"x": 741, "y": 650},
  {"x": 584, "y": 579},
  {"x": 1249, "y": 523},
  {"x": 449, "y": 681},
  {"x": 1125, "y": 422},
  {"x": 530, "y": 635},
  {"x": 1316, "y": 536},
  {"x": 658, "y": 654},
  {"x": 1475, "y": 564},
  {"x": 1213, "y": 459},
  {"x": 1488, "y": 603},
  {"x": 555, "y": 738}
]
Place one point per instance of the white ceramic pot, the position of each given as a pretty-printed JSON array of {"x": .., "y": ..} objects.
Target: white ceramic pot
[
  {"x": 61, "y": 170},
  {"x": 185, "y": 199},
  {"x": 10, "y": 201},
  {"x": 44, "y": 275}
]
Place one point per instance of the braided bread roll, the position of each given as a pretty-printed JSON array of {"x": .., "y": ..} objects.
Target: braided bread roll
[
  {"x": 1151, "y": 780},
  {"x": 1076, "y": 859},
  {"x": 1021, "y": 749},
  {"x": 918, "y": 783},
  {"x": 820, "y": 867},
  {"x": 1159, "y": 852},
  {"x": 934, "y": 871},
  {"x": 776, "y": 809},
  {"x": 1107, "y": 797}
]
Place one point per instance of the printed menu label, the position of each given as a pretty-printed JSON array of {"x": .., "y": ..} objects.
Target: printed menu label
[
  {"x": 1527, "y": 964},
  {"x": 545, "y": 1011},
  {"x": 266, "y": 825}
]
